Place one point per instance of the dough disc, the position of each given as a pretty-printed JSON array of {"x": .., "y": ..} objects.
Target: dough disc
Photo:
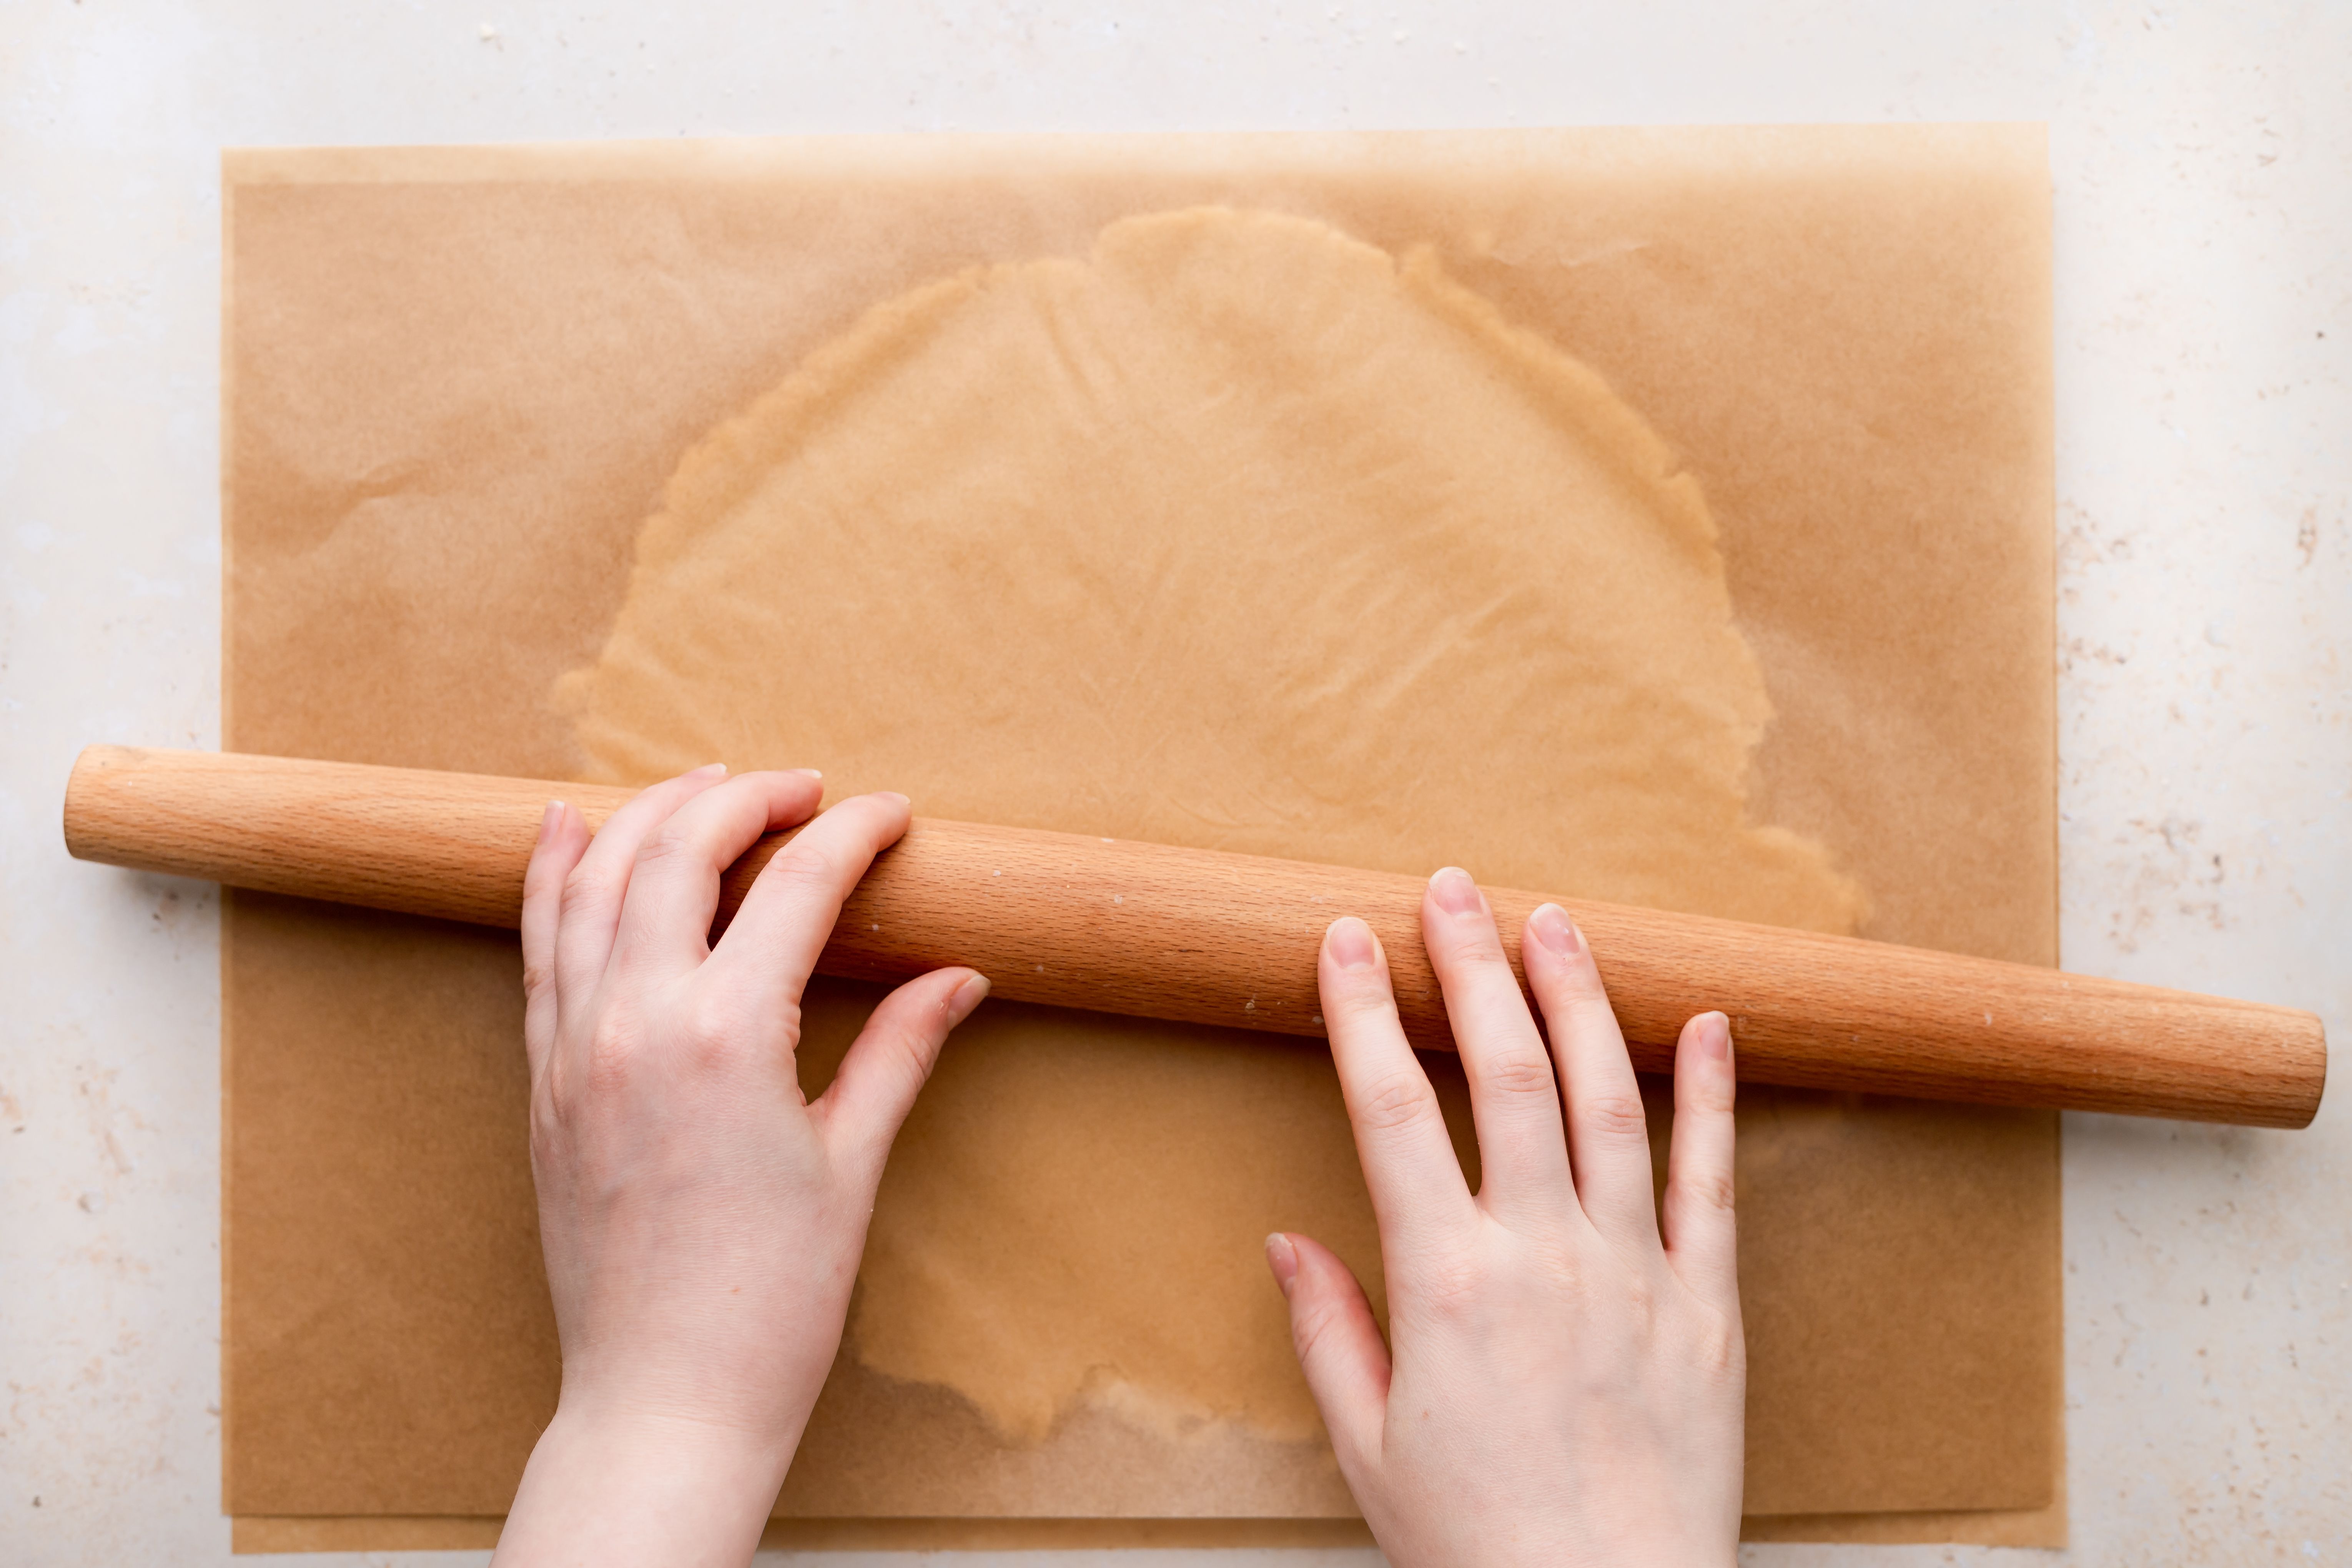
[{"x": 1233, "y": 533}]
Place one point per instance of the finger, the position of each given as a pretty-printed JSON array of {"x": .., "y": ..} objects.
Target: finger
[
  {"x": 1702, "y": 1236},
  {"x": 1339, "y": 1344},
  {"x": 1514, "y": 1100},
  {"x": 1608, "y": 1137},
  {"x": 563, "y": 839},
  {"x": 591, "y": 905},
  {"x": 665, "y": 927},
  {"x": 1415, "y": 1182},
  {"x": 887, "y": 1065},
  {"x": 772, "y": 944}
]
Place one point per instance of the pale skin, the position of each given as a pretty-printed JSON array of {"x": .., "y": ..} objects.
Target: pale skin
[{"x": 1563, "y": 1377}]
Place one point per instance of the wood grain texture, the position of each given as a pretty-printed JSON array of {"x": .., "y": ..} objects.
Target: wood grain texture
[{"x": 1212, "y": 938}]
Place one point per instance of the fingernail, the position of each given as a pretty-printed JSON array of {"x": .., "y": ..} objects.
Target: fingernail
[
  {"x": 1283, "y": 1258},
  {"x": 549, "y": 818},
  {"x": 894, "y": 795},
  {"x": 1715, "y": 1037},
  {"x": 1554, "y": 930},
  {"x": 708, "y": 768},
  {"x": 967, "y": 995},
  {"x": 1351, "y": 941},
  {"x": 1455, "y": 894},
  {"x": 811, "y": 771}
]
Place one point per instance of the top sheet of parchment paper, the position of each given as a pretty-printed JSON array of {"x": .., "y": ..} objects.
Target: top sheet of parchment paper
[{"x": 571, "y": 461}]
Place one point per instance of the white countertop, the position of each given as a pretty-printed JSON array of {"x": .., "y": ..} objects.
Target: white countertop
[{"x": 2203, "y": 165}]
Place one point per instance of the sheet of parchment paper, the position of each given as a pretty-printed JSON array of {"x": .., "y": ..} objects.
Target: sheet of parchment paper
[{"x": 459, "y": 381}]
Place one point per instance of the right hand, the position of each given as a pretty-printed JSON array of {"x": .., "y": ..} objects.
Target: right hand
[{"x": 1567, "y": 1384}]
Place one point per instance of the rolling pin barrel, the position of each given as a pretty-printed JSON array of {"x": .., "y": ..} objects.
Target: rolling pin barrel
[{"x": 1212, "y": 938}]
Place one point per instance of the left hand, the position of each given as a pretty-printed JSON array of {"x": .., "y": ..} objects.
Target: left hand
[{"x": 702, "y": 1223}]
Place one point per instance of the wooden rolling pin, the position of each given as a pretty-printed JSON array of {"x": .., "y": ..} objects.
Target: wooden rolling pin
[{"x": 1231, "y": 939}]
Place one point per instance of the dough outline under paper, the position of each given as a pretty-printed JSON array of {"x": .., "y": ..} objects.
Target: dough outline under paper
[{"x": 742, "y": 467}]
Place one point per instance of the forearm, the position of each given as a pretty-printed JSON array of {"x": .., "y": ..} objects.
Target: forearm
[{"x": 645, "y": 1493}]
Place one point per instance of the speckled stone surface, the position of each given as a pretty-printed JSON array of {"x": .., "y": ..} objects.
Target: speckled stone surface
[{"x": 2203, "y": 167}]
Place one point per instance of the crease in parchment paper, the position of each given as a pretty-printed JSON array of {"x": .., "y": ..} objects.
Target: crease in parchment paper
[{"x": 1233, "y": 531}]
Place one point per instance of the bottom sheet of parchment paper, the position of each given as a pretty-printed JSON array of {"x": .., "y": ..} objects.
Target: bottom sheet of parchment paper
[
  {"x": 386, "y": 1532},
  {"x": 1727, "y": 588}
]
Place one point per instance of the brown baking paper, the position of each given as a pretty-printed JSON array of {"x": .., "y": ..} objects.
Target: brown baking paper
[{"x": 461, "y": 382}]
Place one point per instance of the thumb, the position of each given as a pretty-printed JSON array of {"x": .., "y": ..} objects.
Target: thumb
[
  {"x": 887, "y": 1065},
  {"x": 1338, "y": 1345}
]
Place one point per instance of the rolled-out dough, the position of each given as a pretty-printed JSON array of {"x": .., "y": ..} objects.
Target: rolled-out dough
[{"x": 1237, "y": 532}]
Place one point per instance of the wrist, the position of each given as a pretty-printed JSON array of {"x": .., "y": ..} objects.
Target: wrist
[{"x": 613, "y": 1486}]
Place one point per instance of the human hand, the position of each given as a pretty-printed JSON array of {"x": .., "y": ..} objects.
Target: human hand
[
  {"x": 1565, "y": 1387},
  {"x": 702, "y": 1223}
]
